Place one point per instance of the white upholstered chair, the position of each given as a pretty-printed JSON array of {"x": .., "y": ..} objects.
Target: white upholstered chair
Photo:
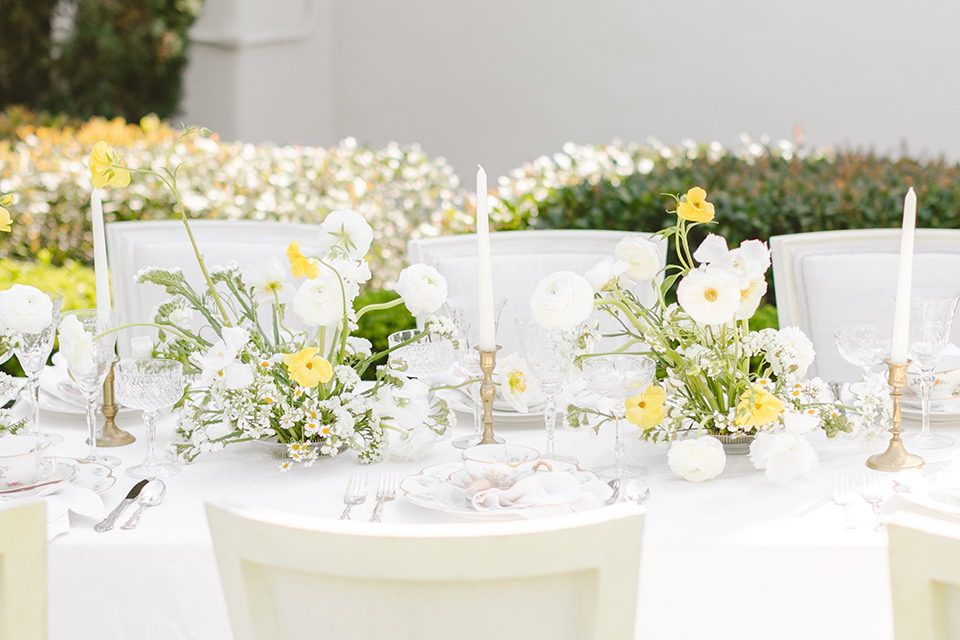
[
  {"x": 520, "y": 260},
  {"x": 287, "y": 576},
  {"x": 23, "y": 572},
  {"x": 132, "y": 246},
  {"x": 828, "y": 279},
  {"x": 924, "y": 577}
]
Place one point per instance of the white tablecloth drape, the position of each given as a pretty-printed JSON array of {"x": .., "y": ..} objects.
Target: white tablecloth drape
[{"x": 737, "y": 557}]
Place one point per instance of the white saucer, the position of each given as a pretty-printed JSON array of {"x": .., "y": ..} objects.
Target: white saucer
[
  {"x": 85, "y": 475},
  {"x": 919, "y": 487},
  {"x": 61, "y": 473}
]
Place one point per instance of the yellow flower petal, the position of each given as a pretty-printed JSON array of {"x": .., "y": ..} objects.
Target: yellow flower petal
[
  {"x": 301, "y": 266},
  {"x": 646, "y": 410},
  {"x": 5, "y": 220},
  {"x": 106, "y": 168},
  {"x": 757, "y": 407},
  {"x": 696, "y": 208},
  {"x": 308, "y": 369}
]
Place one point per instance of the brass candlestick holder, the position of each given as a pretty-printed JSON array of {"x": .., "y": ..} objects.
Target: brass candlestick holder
[
  {"x": 895, "y": 458},
  {"x": 111, "y": 435},
  {"x": 488, "y": 391}
]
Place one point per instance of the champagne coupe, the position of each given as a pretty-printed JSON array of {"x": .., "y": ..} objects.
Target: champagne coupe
[
  {"x": 32, "y": 351},
  {"x": 150, "y": 385},
  {"x": 426, "y": 357},
  {"x": 931, "y": 317},
  {"x": 863, "y": 345},
  {"x": 464, "y": 312},
  {"x": 618, "y": 376},
  {"x": 549, "y": 354},
  {"x": 90, "y": 379}
]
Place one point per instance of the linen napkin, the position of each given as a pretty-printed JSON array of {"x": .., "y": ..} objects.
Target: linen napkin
[
  {"x": 545, "y": 494},
  {"x": 61, "y": 499}
]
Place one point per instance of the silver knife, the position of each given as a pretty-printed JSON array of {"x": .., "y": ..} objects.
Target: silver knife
[{"x": 109, "y": 521}]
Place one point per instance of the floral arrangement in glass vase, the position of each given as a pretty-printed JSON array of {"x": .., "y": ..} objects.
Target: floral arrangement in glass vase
[
  {"x": 276, "y": 361},
  {"x": 718, "y": 381}
]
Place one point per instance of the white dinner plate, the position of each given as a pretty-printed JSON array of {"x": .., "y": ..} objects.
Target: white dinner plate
[
  {"x": 462, "y": 403},
  {"x": 919, "y": 487},
  {"x": 941, "y": 411},
  {"x": 441, "y": 487}
]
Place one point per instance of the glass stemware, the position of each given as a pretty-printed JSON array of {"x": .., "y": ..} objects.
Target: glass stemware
[
  {"x": 549, "y": 354},
  {"x": 32, "y": 351},
  {"x": 931, "y": 317},
  {"x": 465, "y": 315},
  {"x": 618, "y": 376},
  {"x": 863, "y": 345},
  {"x": 90, "y": 381},
  {"x": 150, "y": 385},
  {"x": 425, "y": 358}
]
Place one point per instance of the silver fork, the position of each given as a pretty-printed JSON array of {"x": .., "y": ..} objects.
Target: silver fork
[
  {"x": 872, "y": 493},
  {"x": 845, "y": 495},
  {"x": 356, "y": 493},
  {"x": 386, "y": 493}
]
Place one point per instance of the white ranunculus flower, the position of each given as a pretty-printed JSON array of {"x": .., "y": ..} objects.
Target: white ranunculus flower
[
  {"x": 355, "y": 272},
  {"x": 712, "y": 248},
  {"x": 181, "y": 317},
  {"x": 267, "y": 279},
  {"x": 422, "y": 288},
  {"x": 643, "y": 256},
  {"x": 76, "y": 345},
  {"x": 319, "y": 302},
  {"x": 750, "y": 298},
  {"x": 697, "y": 459},
  {"x": 517, "y": 385},
  {"x": 346, "y": 231},
  {"x": 562, "y": 301},
  {"x": 25, "y": 309},
  {"x": 710, "y": 296},
  {"x": 786, "y": 454},
  {"x": 608, "y": 273},
  {"x": 141, "y": 347}
]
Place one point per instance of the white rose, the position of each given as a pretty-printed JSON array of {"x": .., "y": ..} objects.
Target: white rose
[
  {"x": 422, "y": 288},
  {"x": 319, "y": 302},
  {"x": 710, "y": 296},
  {"x": 783, "y": 456},
  {"x": 697, "y": 459},
  {"x": 25, "y": 309},
  {"x": 77, "y": 346},
  {"x": 348, "y": 232},
  {"x": 643, "y": 256},
  {"x": 562, "y": 301}
]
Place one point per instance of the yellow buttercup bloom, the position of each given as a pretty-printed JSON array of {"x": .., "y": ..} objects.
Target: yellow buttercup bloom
[
  {"x": 307, "y": 368},
  {"x": 301, "y": 265},
  {"x": 106, "y": 167},
  {"x": 757, "y": 407},
  {"x": 646, "y": 410},
  {"x": 5, "y": 219},
  {"x": 696, "y": 208}
]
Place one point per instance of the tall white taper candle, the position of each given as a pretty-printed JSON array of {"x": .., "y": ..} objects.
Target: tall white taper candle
[
  {"x": 488, "y": 331},
  {"x": 901, "y": 314}
]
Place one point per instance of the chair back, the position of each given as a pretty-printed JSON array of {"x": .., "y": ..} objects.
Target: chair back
[
  {"x": 520, "y": 260},
  {"x": 23, "y": 572},
  {"x": 288, "y": 577},
  {"x": 924, "y": 577},
  {"x": 136, "y": 245},
  {"x": 828, "y": 279}
]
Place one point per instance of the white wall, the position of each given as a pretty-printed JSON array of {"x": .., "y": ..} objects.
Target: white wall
[{"x": 500, "y": 82}]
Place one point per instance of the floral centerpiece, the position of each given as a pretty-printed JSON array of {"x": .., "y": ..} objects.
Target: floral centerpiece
[
  {"x": 718, "y": 380},
  {"x": 275, "y": 359}
]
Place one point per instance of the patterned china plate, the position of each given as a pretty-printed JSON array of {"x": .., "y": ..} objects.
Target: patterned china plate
[
  {"x": 919, "y": 487},
  {"x": 61, "y": 473},
  {"x": 86, "y": 475}
]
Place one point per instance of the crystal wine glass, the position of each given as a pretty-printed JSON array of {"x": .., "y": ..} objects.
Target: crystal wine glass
[
  {"x": 426, "y": 357},
  {"x": 32, "y": 351},
  {"x": 549, "y": 354},
  {"x": 863, "y": 345},
  {"x": 90, "y": 380},
  {"x": 618, "y": 376},
  {"x": 931, "y": 317},
  {"x": 150, "y": 385},
  {"x": 464, "y": 312}
]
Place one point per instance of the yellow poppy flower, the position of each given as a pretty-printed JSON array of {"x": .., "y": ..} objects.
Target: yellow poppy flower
[
  {"x": 646, "y": 410},
  {"x": 5, "y": 219},
  {"x": 757, "y": 407},
  {"x": 301, "y": 265},
  {"x": 106, "y": 167},
  {"x": 696, "y": 208},
  {"x": 307, "y": 368}
]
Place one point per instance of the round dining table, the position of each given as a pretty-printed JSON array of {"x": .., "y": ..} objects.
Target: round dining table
[{"x": 735, "y": 557}]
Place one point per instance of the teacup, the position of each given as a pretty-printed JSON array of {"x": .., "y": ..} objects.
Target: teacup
[
  {"x": 502, "y": 465},
  {"x": 23, "y": 461}
]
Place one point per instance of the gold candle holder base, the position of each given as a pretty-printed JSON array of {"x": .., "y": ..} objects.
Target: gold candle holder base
[
  {"x": 895, "y": 458},
  {"x": 111, "y": 435},
  {"x": 488, "y": 391}
]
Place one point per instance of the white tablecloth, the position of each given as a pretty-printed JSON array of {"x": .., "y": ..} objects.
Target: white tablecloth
[{"x": 737, "y": 557}]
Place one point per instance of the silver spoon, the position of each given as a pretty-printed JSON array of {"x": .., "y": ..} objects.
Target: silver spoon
[
  {"x": 151, "y": 495},
  {"x": 637, "y": 491}
]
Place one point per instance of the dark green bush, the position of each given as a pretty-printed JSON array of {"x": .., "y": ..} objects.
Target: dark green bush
[
  {"x": 377, "y": 325},
  {"x": 25, "y": 62}
]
